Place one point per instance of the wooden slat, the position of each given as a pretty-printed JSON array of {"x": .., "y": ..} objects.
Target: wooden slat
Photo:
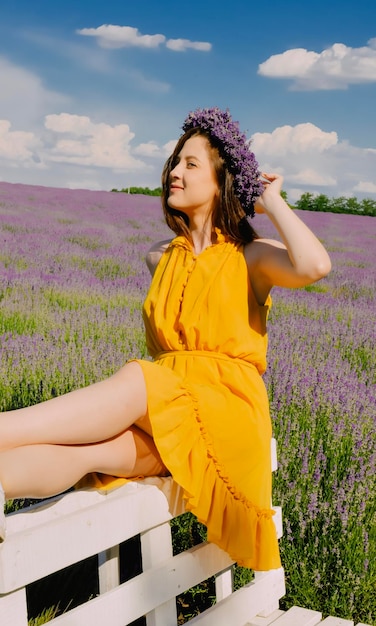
[
  {"x": 224, "y": 584},
  {"x": 13, "y": 609},
  {"x": 274, "y": 619},
  {"x": 297, "y": 616},
  {"x": 273, "y": 604},
  {"x": 336, "y": 621},
  {"x": 47, "y": 547},
  {"x": 242, "y": 605},
  {"x": 274, "y": 454},
  {"x": 142, "y": 594},
  {"x": 156, "y": 547},
  {"x": 108, "y": 569},
  {"x": 265, "y": 621}
]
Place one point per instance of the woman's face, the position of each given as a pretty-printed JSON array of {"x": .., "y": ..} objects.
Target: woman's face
[{"x": 193, "y": 185}]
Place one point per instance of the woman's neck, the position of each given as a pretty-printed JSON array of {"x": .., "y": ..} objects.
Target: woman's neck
[{"x": 202, "y": 234}]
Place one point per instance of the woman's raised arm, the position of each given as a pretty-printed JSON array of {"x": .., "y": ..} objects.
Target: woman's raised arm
[{"x": 300, "y": 260}]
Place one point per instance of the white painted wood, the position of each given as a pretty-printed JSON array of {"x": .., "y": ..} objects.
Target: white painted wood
[
  {"x": 242, "y": 605},
  {"x": 142, "y": 594},
  {"x": 48, "y": 547},
  {"x": 53, "y": 508},
  {"x": 297, "y": 616},
  {"x": 274, "y": 620},
  {"x": 336, "y": 621},
  {"x": 13, "y": 609},
  {"x": 172, "y": 491},
  {"x": 108, "y": 569},
  {"x": 277, "y": 519},
  {"x": 224, "y": 584},
  {"x": 156, "y": 547},
  {"x": 163, "y": 615},
  {"x": 273, "y": 603},
  {"x": 265, "y": 621},
  {"x": 274, "y": 454}
]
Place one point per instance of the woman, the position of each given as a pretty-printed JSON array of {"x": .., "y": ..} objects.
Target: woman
[{"x": 200, "y": 411}]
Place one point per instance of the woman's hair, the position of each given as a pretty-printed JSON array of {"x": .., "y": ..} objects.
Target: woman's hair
[{"x": 228, "y": 214}]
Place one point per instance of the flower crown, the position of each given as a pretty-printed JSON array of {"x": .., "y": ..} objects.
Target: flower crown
[{"x": 233, "y": 147}]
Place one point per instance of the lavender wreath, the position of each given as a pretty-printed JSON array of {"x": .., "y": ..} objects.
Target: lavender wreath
[{"x": 234, "y": 148}]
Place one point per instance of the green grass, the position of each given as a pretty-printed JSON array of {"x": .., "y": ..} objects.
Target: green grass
[{"x": 44, "y": 617}]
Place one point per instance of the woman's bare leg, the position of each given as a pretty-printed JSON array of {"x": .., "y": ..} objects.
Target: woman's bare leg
[
  {"x": 42, "y": 470},
  {"x": 87, "y": 415}
]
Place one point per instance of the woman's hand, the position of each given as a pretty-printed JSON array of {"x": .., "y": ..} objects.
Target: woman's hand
[{"x": 272, "y": 187}]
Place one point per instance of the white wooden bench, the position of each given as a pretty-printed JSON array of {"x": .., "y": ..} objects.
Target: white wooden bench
[{"x": 65, "y": 530}]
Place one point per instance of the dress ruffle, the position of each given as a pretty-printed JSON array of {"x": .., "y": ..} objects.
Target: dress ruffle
[{"x": 246, "y": 532}]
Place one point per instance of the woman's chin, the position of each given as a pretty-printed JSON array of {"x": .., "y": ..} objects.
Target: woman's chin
[{"x": 173, "y": 204}]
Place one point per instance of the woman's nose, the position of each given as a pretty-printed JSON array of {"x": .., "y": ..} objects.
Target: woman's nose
[{"x": 175, "y": 173}]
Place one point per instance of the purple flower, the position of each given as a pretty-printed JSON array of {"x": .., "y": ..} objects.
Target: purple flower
[{"x": 234, "y": 147}]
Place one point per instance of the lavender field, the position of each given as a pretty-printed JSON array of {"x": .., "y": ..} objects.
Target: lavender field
[{"x": 72, "y": 281}]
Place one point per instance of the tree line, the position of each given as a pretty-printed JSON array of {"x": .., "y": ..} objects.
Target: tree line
[
  {"x": 306, "y": 202},
  {"x": 141, "y": 190},
  {"x": 321, "y": 202}
]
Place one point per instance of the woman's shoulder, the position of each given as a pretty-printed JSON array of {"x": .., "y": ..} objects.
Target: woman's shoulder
[
  {"x": 154, "y": 254},
  {"x": 259, "y": 248}
]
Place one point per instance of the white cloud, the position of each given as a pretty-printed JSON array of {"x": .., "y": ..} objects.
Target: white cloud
[
  {"x": 89, "y": 143},
  {"x": 336, "y": 67},
  {"x": 180, "y": 45},
  {"x": 294, "y": 193},
  {"x": 151, "y": 149},
  {"x": 169, "y": 147},
  {"x": 290, "y": 64},
  {"x": 148, "y": 149},
  {"x": 296, "y": 139},
  {"x": 84, "y": 183},
  {"x": 366, "y": 187},
  {"x": 23, "y": 97},
  {"x": 113, "y": 36},
  {"x": 314, "y": 160},
  {"x": 309, "y": 176},
  {"x": 17, "y": 146}
]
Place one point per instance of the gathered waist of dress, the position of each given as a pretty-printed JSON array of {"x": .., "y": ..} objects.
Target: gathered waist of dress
[{"x": 208, "y": 354}]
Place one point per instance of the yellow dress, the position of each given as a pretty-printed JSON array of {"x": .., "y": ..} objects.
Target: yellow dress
[{"x": 207, "y": 402}]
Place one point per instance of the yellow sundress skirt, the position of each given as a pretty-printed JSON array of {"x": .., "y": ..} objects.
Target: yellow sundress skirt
[{"x": 219, "y": 453}]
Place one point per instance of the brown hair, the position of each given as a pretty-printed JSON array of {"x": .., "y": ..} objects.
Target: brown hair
[{"x": 228, "y": 214}]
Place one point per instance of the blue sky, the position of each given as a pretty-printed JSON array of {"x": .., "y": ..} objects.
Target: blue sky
[{"x": 93, "y": 94}]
